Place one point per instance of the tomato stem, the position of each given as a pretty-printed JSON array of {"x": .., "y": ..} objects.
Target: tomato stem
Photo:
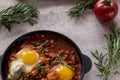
[{"x": 107, "y": 2}]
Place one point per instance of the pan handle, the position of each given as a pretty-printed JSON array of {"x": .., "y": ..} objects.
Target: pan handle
[
  {"x": 0, "y": 62},
  {"x": 87, "y": 63},
  {"x": 0, "y": 58}
]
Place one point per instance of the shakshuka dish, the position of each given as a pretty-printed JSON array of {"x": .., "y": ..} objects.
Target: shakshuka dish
[{"x": 44, "y": 57}]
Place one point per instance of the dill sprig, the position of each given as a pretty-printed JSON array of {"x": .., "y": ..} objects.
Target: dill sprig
[
  {"x": 108, "y": 62},
  {"x": 22, "y": 12},
  {"x": 81, "y": 6}
]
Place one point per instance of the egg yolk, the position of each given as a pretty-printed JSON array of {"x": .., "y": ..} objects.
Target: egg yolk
[
  {"x": 64, "y": 73},
  {"x": 28, "y": 57}
]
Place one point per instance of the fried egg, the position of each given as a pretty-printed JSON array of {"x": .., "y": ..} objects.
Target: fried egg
[
  {"x": 64, "y": 73},
  {"x": 26, "y": 60}
]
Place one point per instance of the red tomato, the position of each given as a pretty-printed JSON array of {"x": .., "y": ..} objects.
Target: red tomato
[{"x": 106, "y": 10}]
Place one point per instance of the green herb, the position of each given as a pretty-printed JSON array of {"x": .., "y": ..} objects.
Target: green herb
[
  {"x": 47, "y": 48},
  {"x": 21, "y": 73},
  {"x": 42, "y": 69},
  {"x": 70, "y": 67},
  {"x": 17, "y": 14},
  {"x": 58, "y": 58},
  {"x": 36, "y": 43},
  {"x": 43, "y": 51},
  {"x": 81, "y": 6},
  {"x": 21, "y": 78},
  {"x": 109, "y": 61},
  {"x": 10, "y": 76}
]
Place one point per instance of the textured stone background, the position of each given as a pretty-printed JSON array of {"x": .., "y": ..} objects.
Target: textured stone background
[{"x": 86, "y": 31}]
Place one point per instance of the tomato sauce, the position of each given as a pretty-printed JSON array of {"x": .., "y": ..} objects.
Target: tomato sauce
[{"x": 53, "y": 51}]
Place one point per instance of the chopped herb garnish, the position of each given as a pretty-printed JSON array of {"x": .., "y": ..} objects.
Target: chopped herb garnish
[
  {"x": 58, "y": 58},
  {"x": 43, "y": 51},
  {"x": 69, "y": 67},
  {"x": 9, "y": 76},
  {"x": 47, "y": 48},
  {"x": 41, "y": 69},
  {"x": 21, "y": 78},
  {"x": 36, "y": 43},
  {"x": 21, "y": 73}
]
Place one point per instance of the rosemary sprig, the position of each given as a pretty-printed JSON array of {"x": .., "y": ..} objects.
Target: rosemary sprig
[
  {"x": 108, "y": 63},
  {"x": 81, "y": 6},
  {"x": 17, "y": 14}
]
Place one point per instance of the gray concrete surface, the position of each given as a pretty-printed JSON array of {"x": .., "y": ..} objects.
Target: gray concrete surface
[{"x": 86, "y": 31}]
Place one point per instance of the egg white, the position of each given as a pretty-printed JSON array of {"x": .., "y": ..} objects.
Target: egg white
[{"x": 18, "y": 62}]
